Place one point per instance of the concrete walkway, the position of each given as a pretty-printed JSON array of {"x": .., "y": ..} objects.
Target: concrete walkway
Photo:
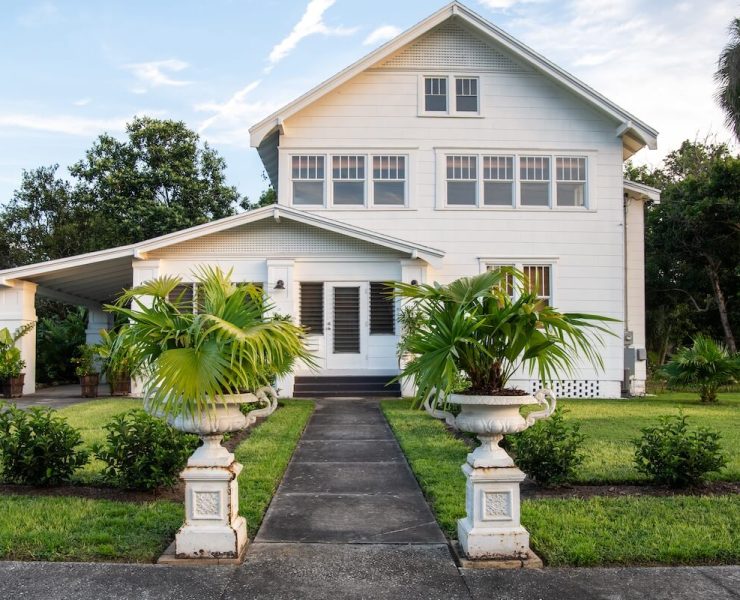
[
  {"x": 349, "y": 521},
  {"x": 54, "y": 397}
]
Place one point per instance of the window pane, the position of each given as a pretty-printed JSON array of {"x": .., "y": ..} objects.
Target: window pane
[
  {"x": 497, "y": 193},
  {"x": 535, "y": 194},
  {"x": 348, "y": 167},
  {"x": 349, "y": 193},
  {"x": 389, "y": 193},
  {"x": 461, "y": 193},
  {"x": 534, "y": 168},
  {"x": 498, "y": 168},
  {"x": 571, "y": 194},
  {"x": 466, "y": 94},
  {"x": 435, "y": 94},
  {"x": 569, "y": 168},
  {"x": 308, "y": 192}
]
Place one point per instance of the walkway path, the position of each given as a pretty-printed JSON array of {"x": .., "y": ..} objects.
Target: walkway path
[
  {"x": 349, "y": 521},
  {"x": 54, "y": 397}
]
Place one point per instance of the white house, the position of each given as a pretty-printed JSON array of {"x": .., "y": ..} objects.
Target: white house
[{"x": 451, "y": 149}]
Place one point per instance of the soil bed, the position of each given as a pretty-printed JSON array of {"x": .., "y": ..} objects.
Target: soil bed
[{"x": 532, "y": 491}]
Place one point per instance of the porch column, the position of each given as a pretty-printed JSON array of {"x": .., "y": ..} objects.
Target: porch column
[
  {"x": 17, "y": 308},
  {"x": 143, "y": 270},
  {"x": 411, "y": 270},
  {"x": 97, "y": 319},
  {"x": 280, "y": 289},
  {"x": 634, "y": 258}
]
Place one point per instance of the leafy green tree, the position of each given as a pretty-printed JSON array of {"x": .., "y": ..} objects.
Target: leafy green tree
[{"x": 728, "y": 79}]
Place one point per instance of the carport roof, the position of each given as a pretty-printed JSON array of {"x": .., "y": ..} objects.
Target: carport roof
[{"x": 97, "y": 277}]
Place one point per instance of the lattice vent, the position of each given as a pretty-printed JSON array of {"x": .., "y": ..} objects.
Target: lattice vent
[
  {"x": 449, "y": 46},
  {"x": 268, "y": 238},
  {"x": 580, "y": 388}
]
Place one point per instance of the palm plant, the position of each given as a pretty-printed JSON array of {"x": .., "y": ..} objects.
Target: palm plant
[
  {"x": 728, "y": 78},
  {"x": 191, "y": 359},
  {"x": 706, "y": 364},
  {"x": 475, "y": 328}
]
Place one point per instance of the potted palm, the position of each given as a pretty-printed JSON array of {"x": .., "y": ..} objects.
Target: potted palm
[
  {"x": 477, "y": 331},
  {"x": 11, "y": 364},
  {"x": 88, "y": 370},
  {"x": 117, "y": 363},
  {"x": 198, "y": 365}
]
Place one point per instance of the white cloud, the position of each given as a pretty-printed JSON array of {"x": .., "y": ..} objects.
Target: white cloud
[
  {"x": 230, "y": 121},
  {"x": 381, "y": 34},
  {"x": 82, "y": 102},
  {"x": 311, "y": 23},
  {"x": 155, "y": 73},
  {"x": 655, "y": 61},
  {"x": 498, "y": 4},
  {"x": 65, "y": 124}
]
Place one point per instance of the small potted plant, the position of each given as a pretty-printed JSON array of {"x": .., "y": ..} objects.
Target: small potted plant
[
  {"x": 117, "y": 362},
  {"x": 11, "y": 364},
  {"x": 481, "y": 331},
  {"x": 88, "y": 370},
  {"x": 198, "y": 367}
]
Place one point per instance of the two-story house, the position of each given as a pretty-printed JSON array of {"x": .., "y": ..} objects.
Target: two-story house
[{"x": 452, "y": 149}]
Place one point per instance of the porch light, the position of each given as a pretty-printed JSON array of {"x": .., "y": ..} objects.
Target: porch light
[{"x": 280, "y": 285}]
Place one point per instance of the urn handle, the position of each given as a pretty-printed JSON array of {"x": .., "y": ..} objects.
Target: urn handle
[{"x": 544, "y": 398}]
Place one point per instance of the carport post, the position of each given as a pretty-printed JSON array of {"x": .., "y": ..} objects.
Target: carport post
[{"x": 18, "y": 307}]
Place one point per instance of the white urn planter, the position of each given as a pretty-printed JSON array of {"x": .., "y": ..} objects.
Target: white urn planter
[
  {"x": 213, "y": 528},
  {"x": 492, "y": 528}
]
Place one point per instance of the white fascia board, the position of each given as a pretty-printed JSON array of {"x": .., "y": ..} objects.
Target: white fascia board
[
  {"x": 643, "y": 131},
  {"x": 60, "y": 264},
  {"x": 649, "y": 192}
]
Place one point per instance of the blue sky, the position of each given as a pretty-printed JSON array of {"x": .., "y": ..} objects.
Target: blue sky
[{"x": 73, "y": 69}]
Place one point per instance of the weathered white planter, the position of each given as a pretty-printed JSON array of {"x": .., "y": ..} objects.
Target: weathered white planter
[
  {"x": 492, "y": 528},
  {"x": 213, "y": 527}
]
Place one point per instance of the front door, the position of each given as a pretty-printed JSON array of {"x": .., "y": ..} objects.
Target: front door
[{"x": 346, "y": 328}]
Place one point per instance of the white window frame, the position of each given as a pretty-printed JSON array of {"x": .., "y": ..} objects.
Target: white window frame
[
  {"x": 475, "y": 181},
  {"x": 372, "y": 180},
  {"x": 328, "y": 156},
  {"x": 364, "y": 181},
  {"x": 325, "y": 181},
  {"x": 451, "y": 96},
  {"x": 441, "y": 179},
  {"x": 584, "y": 182},
  {"x": 549, "y": 181},
  {"x": 519, "y": 263}
]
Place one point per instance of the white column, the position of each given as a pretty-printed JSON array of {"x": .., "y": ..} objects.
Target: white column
[
  {"x": 635, "y": 292},
  {"x": 97, "y": 319},
  {"x": 412, "y": 270},
  {"x": 281, "y": 291},
  {"x": 17, "y": 308},
  {"x": 144, "y": 270}
]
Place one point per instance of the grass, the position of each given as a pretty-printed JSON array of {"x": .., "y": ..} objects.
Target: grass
[
  {"x": 79, "y": 529},
  {"x": 611, "y": 425},
  {"x": 597, "y": 531},
  {"x": 265, "y": 455}
]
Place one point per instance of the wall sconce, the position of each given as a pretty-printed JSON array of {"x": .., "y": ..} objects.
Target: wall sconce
[
  {"x": 414, "y": 282},
  {"x": 280, "y": 284}
]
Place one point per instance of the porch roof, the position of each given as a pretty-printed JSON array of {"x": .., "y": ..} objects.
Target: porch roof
[{"x": 97, "y": 277}]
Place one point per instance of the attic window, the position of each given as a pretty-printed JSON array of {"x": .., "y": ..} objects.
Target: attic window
[
  {"x": 466, "y": 94},
  {"x": 308, "y": 180},
  {"x": 435, "y": 94}
]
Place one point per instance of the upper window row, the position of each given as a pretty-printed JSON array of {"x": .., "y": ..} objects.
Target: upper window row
[
  {"x": 484, "y": 180},
  {"x": 438, "y": 101},
  {"x": 348, "y": 183}
]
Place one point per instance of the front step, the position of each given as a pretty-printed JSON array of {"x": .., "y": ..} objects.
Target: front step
[{"x": 337, "y": 387}]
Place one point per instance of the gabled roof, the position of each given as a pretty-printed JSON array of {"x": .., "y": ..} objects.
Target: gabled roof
[
  {"x": 640, "y": 133},
  {"x": 96, "y": 265},
  {"x": 642, "y": 190}
]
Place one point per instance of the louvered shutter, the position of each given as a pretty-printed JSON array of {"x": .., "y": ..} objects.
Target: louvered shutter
[
  {"x": 312, "y": 307},
  {"x": 382, "y": 317},
  {"x": 346, "y": 320},
  {"x": 183, "y": 294}
]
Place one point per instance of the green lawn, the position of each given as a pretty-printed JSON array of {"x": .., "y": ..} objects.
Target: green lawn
[
  {"x": 68, "y": 528},
  {"x": 598, "y": 531},
  {"x": 610, "y": 425},
  {"x": 79, "y": 529}
]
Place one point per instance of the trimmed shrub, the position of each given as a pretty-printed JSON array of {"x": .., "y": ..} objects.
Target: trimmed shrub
[
  {"x": 38, "y": 447},
  {"x": 143, "y": 452},
  {"x": 549, "y": 451},
  {"x": 669, "y": 453}
]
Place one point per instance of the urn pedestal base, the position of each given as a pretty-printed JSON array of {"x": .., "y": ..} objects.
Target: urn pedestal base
[
  {"x": 492, "y": 528},
  {"x": 213, "y": 528}
]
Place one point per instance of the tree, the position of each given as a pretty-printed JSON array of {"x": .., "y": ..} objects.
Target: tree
[
  {"x": 728, "y": 79},
  {"x": 158, "y": 180},
  {"x": 693, "y": 235}
]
